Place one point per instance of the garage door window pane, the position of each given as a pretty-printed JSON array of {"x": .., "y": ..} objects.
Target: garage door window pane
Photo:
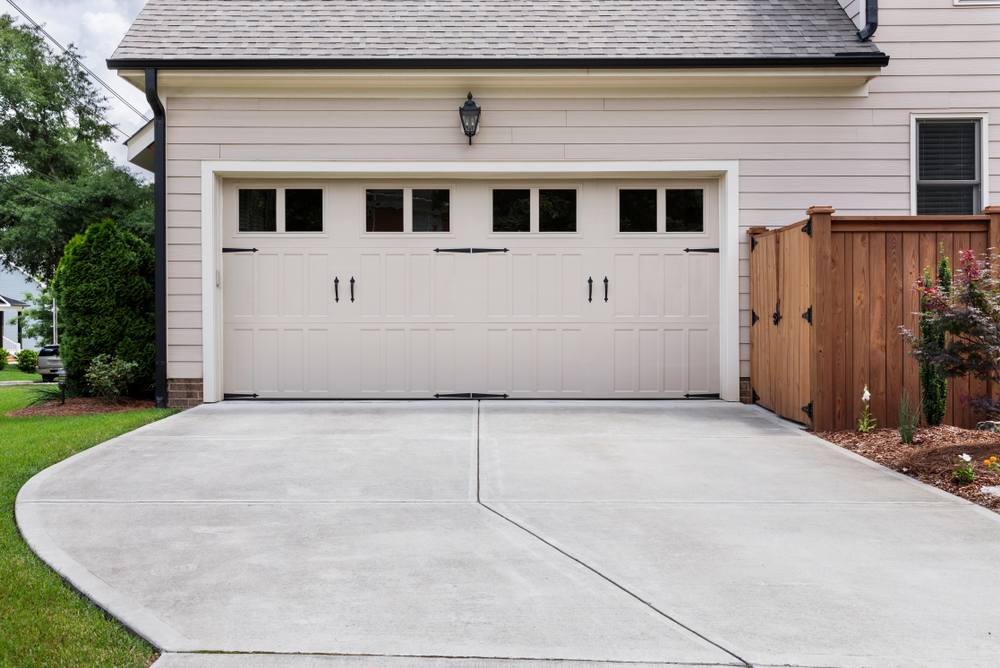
[
  {"x": 384, "y": 211},
  {"x": 258, "y": 210},
  {"x": 304, "y": 210},
  {"x": 511, "y": 210},
  {"x": 431, "y": 211},
  {"x": 637, "y": 210},
  {"x": 685, "y": 210},
  {"x": 557, "y": 211}
]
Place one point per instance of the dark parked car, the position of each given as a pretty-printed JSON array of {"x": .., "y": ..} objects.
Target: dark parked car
[{"x": 49, "y": 364}]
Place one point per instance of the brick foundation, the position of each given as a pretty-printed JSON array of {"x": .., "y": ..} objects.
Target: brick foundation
[
  {"x": 746, "y": 391},
  {"x": 184, "y": 392}
]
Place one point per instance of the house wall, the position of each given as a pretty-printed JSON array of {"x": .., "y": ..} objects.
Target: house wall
[
  {"x": 16, "y": 285},
  {"x": 849, "y": 152}
]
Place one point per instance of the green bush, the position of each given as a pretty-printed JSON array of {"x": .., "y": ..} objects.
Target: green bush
[
  {"x": 109, "y": 377},
  {"x": 3, "y": 359},
  {"x": 104, "y": 290},
  {"x": 27, "y": 361},
  {"x": 909, "y": 418},
  {"x": 933, "y": 383}
]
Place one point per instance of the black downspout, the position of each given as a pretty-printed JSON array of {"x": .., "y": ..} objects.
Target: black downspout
[
  {"x": 871, "y": 21},
  {"x": 160, "y": 232}
]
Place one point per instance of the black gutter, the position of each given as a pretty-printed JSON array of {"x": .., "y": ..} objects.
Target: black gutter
[
  {"x": 854, "y": 59},
  {"x": 160, "y": 232},
  {"x": 871, "y": 21}
]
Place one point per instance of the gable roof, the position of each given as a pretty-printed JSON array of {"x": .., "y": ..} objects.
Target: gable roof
[{"x": 469, "y": 33}]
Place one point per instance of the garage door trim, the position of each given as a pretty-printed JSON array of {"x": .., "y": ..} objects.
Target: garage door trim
[{"x": 213, "y": 173}]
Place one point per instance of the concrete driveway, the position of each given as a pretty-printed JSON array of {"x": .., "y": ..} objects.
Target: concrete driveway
[{"x": 460, "y": 534}]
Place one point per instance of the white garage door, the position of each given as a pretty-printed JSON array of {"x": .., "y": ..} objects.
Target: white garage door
[{"x": 584, "y": 289}]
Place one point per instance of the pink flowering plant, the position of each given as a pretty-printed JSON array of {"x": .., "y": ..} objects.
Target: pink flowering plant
[{"x": 968, "y": 314}]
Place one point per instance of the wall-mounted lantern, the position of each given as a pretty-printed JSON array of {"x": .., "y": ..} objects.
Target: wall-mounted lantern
[{"x": 470, "y": 113}]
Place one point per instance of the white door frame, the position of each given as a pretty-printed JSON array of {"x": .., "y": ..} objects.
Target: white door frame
[{"x": 213, "y": 173}]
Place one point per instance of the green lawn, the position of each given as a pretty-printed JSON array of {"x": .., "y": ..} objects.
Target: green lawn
[
  {"x": 43, "y": 621},
  {"x": 11, "y": 373}
]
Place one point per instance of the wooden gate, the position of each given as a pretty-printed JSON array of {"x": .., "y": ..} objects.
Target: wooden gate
[{"x": 829, "y": 296}]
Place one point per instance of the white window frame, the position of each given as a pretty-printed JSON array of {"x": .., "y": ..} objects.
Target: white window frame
[
  {"x": 279, "y": 203},
  {"x": 984, "y": 150},
  {"x": 535, "y": 210},
  {"x": 977, "y": 3},
  {"x": 407, "y": 210}
]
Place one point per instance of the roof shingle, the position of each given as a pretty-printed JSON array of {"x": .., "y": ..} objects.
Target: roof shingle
[{"x": 498, "y": 29}]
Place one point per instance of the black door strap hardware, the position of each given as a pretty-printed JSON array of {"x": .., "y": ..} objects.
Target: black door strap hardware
[
  {"x": 606, "y": 284},
  {"x": 352, "y": 289},
  {"x": 473, "y": 251},
  {"x": 470, "y": 395},
  {"x": 239, "y": 250},
  {"x": 336, "y": 289},
  {"x": 701, "y": 250},
  {"x": 590, "y": 288}
]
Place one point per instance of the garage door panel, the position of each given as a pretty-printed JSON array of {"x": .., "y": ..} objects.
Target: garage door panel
[
  {"x": 291, "y": 356},
  {"x": 267, "y": 279},
  {"x": 239, "y": 286},
  {"x": 318, "y": 288},
  {"x": 265, "y": 361},
  {"x": 675, "y": 361},
  {"x": 317, "y": 361},
  {"x": 650, "y": 361}
]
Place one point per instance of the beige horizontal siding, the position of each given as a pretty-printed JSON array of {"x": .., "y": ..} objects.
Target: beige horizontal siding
[{"x": 849, "y": 152}]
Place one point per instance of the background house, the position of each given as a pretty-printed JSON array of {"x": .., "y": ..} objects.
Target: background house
[{"x": 15, "y": 286}]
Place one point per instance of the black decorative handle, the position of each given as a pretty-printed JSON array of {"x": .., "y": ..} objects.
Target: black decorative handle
[
  {"x": 352, "y": 289},
  {"x": 606, "y": 284},
  {"x": 590, "y": 288},
  {"x": 336, "y": 289}
]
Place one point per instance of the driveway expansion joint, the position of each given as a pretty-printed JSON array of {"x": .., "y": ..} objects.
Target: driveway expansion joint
[{"x": 580, "y": 562}]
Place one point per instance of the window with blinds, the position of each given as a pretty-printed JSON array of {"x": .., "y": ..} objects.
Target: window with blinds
[{"x": 949, "y": 179}]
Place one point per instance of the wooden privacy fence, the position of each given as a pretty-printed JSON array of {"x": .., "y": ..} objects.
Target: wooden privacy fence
[{"x": 828, "y": 296}]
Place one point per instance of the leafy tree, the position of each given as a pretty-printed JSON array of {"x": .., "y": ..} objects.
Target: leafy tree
[
  {"x": 51, "y": 116},
  {"x": 36, "y": 320},
  {"x": 55, "y": 180},
  {"x": 968, "y": 314},
  {"x": 38, "y": 216},
  {"x": 933, "y": 382},
  {"x": 104, "y": 290}
]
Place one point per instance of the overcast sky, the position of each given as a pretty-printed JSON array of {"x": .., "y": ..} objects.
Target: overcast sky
[{"x": 95, "y": 27}]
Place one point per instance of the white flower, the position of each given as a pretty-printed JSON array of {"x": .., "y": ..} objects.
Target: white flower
[
  {"x": 866, "y": 396},
  {"x": 965, "y": 458}
]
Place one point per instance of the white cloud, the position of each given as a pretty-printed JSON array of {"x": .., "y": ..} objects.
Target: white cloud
[{"x": 95, "y": 27}]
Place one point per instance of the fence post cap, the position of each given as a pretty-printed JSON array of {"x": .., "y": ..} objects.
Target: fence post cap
[
  {"x": 813, "y": 210},
  {"x": 991, "y": 210}
]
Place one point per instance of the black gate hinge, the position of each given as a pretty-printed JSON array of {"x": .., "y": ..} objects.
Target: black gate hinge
[
  {"x": 808, "y": 315},
  {"x": 753, "y": 243},
  {"x": 237, "y": 397},
  {"x": 754, "y": 318},
  {"x": 239, "y": 250},
  {"x": 776, "y": 318},
  {"x": 808, "y": 227},
  {"x": 754, "y": 397},
  {"x": 808, "y": 410}
]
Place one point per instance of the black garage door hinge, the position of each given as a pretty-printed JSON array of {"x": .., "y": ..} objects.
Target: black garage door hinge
[
  {"x": 470, "y": 395},
  {"x": 473, "y": 251},
  {"x": 701, "y": 250},
  {"x": 703, "y": 396},
  {"x": 239, "y": 250},
  {"x": 238, "y": 397}
]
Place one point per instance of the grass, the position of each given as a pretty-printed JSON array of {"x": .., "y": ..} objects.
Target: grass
[
  {"x": 12, "y": 373},
  {"x": 43, "y": 621}
]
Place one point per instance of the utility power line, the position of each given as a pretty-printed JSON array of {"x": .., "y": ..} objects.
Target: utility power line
[
  {"x": 31, "y": 193},
  {"x": 79, "y": 62}
]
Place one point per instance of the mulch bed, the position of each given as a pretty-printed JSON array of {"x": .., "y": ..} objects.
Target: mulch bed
[
  {"x": 81, "y": 406},
  {"x": 931, "y": 458}
]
